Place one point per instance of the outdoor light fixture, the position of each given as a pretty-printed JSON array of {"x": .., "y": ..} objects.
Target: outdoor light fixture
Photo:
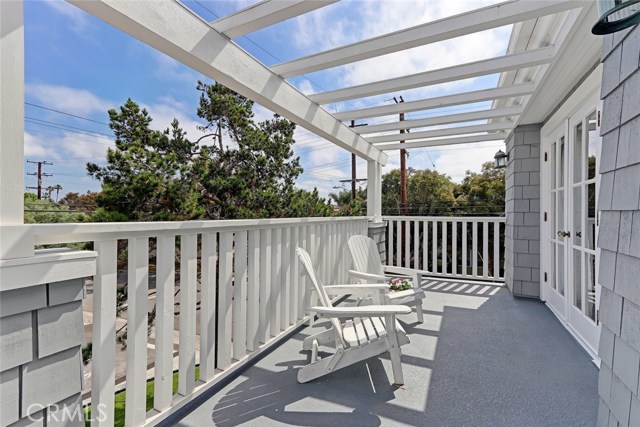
[
  {"x": 616, "y": 15},
  {"x": 501, "y": 159}
]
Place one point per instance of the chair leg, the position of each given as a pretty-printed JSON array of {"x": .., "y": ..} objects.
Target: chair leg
[
  {"x": 419, "y": 312},
  {"x": 394, "y": 351}
]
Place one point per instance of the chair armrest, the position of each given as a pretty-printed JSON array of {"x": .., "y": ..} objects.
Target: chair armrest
[
  {"x": 356, "y": 289},
  {"x": 361, "y": 311},
  {"x": 367, "y": 276}
]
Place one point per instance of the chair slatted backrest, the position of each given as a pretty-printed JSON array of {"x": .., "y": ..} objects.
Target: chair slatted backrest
[
  {"x": 305, "y": 260},
  {"x": 365, "y": 255}
]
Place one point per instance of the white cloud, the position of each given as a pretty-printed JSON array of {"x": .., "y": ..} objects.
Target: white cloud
[
  {"x": 460, "y": 158},
  {"x": 68, "y": 99},
  {"x": 35, "y": 146}
]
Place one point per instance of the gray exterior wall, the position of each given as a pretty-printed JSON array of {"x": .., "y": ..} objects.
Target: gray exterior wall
[
  {"x": 378, "y": 232},
  {"x": 522, "y": 232},
  {"x": 619, "y": 236},
  {"x": 41, "y": 333}
]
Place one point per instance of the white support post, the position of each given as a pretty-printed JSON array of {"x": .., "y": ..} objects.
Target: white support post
[
  {"x": 374, "y": 191},
  {"x": 11, "y": 112},
  {"x": 17, "y": 241}
]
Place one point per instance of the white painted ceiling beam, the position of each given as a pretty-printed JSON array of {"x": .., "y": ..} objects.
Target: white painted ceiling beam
[
  {"x": 438, "y": 102},
  {"x": 440, "y": 120},
  {"x": 443, "y": 29},
  {"x": 264, "y": 14},
  {"x": 176, "y": 31},
  {"x": 443, "y": 75},
  {"x": 436, "y": 133},
  {"x": 446, "y": 141}
]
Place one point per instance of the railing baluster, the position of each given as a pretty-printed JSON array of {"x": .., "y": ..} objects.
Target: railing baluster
[
  {"x": 165, "y": 287},
  {"x": 253, "y": 289},
  {"x": 208, "y": 282},
  {"x": 406, "y": 227},
  {"x": 224, "y": 300},
  {"x": 474, "y": 248},
  {"x": 104, "y": 333},
  {"x": 293, "y": 276},
  {"x": 434, "y": 245},
  {"x": 485, "y": 249},
  {"x": 496, "y": 250},
  {"x": 399, "y": 244},
  {"x": 390, "y": 242},
  {"x": 465, "y": 250},
  {"x": 276, "y": 282},
  {"x": 454, "y": 248},
  {"x": 137, "y": 302},
  {"x": 445, "y": 247},
  {"x": 239, "y": 329},
  {"x": 264, "y": 317},
  {"x": 188, "y": 292},
  {"x": 416, "y": 245},
  {"x": 425, "y": 245},
  {"x": 285, "y": 279}
]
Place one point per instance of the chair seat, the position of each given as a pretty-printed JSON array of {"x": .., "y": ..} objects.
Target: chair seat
[{"x": 363, "y": 330}]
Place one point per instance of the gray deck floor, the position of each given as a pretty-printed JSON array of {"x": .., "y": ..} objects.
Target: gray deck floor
[{"x": 481, "y": 358}]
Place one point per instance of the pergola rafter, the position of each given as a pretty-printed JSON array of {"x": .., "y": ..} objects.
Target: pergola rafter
[
  {"x": 459, "y": 130},
  {"x": 438, "y": 102},
  {"x": 264, "y": 14},
  {"x": 440, "y": 120},
  {"x": 501, "y": 136},
  {"x": 443, "y": 75}
]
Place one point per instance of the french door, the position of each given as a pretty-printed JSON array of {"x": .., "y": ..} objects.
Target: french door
[{"x": 569, "y": 233}]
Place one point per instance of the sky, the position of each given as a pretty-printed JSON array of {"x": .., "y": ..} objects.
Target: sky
[{"x": 78, "y": 67}]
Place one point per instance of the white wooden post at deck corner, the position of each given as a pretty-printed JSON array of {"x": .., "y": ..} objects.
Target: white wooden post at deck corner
[
  {"x": 374, "y": 191},
  {"x": 16, "y": 240}
]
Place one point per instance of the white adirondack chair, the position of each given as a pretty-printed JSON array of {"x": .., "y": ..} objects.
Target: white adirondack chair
[
  {"x": 367, "y": 331},
  {"x": 368, "y": 267}
]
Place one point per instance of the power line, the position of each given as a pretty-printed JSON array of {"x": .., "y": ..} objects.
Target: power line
[{"x": 65, "y": 113}]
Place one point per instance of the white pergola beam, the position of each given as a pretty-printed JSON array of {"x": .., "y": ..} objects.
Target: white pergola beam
[
  {"x": 447, "y": 141},
  {"x": 440, "y": 120},
  {"x": 264, "y": 14},
  {"x": 438, "y": 102},
  {"x": 455, "y": 26},
  {"x": 443, "y": 75},
  {"x": 460, "y": 130},
  {"x": 176, "y": 31}
]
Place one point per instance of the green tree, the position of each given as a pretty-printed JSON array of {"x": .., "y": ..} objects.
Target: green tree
[
  {"x": 345, "y": 204},
  {"x": 482, "y": 193},
  {"x": 428, "y": 193},
  {"x": 46, "y": 212},
  {"x": 148, "y": 173}
]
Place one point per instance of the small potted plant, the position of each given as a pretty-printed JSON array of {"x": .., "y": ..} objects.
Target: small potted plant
[{"x": 397, "y": 284}]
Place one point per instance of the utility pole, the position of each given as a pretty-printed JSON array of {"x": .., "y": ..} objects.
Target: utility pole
[
  {"x": 353, "y": 166},
  {"x": 40, "y": 175},
  {"x": 403, "y": 187}
]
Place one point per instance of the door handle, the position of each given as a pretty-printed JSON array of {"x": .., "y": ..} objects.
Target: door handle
[
  {"x": 563, "y": 233},
  {"x": 578, "y": 233}
]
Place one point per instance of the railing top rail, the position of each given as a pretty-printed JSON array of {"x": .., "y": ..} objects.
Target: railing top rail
[
  {"x": 446, "y": 218},
  {"x": 86, "y": 232}
]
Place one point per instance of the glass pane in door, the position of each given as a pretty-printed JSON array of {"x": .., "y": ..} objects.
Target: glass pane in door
[
  {"x": 576, "y": 233},
  {"x": 592, "y": 146},
  {"x": 590, "y": 239},
  {"x": 591, "y": 286},
  {"x": 577, "y": 154},
  {"x": 577, "y": 278}
]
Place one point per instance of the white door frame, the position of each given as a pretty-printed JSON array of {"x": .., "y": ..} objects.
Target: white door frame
[{"x": 581, "y": 102}]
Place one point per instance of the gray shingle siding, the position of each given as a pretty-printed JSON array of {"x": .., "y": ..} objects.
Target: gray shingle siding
[
  {"x": 619, "y": 235},
  {"x": 522, "y": 234},
  {"x": 41, "y": 361}
]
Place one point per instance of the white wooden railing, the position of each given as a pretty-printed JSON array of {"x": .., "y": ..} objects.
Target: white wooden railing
[
  {"x": 250, "y": 295},
  {"x": 460, "y": 247}
]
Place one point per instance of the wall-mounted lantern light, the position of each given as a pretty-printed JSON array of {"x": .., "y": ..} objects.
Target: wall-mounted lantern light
[
  {"x": 616, "y": 15},
  {"x": 501, "y": 159}
]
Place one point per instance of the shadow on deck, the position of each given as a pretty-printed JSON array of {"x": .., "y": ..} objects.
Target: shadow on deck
[{"x": 481, "y": 358}]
